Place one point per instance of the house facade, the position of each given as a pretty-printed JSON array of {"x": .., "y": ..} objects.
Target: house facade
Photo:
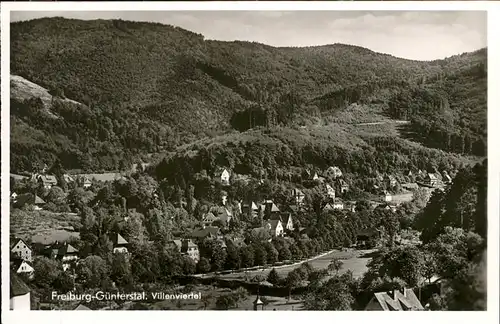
[
  {"x": 288, "y": 222},
  {"x": 330, "y": 192},
  {"x": 431, "y": 180},
  {"x": 276, "y": 227},
  {"x": 64, "y": 252},
  {"x": 48, "y": 181},
  {"x": 223, "y": 176},
  {"x": 190, "y": 249},
  {"x": 270, "y": 208},
  {"x": 338, "y": 204},
  {"x": 22, "y": 267},
  {"x": 343, "y": 186},
  {"x": 85, "y": 182},
  {"x": 208, "y": 219},
  {"x": 250, "y": 209},
  {"x": 22, "y": 250},
  {"x": 120, "y": 245}
]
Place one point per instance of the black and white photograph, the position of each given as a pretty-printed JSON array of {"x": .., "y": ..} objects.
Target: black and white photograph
[{"x": 248, "y": 160}]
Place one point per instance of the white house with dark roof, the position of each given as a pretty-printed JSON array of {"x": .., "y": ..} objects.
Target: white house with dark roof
[
  {"x": 338, "y": 204},
  {"x": 275, "y": 227},
  {"x": 120, "y": 245},
  {"x": 330, "y": 192},
  {"x": 20, "y": 266},
  {"x": 250, "y": 209},
  {"x": 222, "y": 175},
  {"x": 188, "y": 248},
  {"x": 21, "y": 250},
  {"x": 64, "y": 252},
  {"x": 208, "y": 219},
  {"x": 344, "y": 187},
  {"x": 269, "y": 208},
  {"x": 288, "y": 222},
  {"x": 84, "y": 182},
  {"x": 48, "y": 181},
  {"x": 431, "y": 180}
]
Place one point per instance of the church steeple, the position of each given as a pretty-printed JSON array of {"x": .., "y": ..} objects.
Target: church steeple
[{"x": 258, "y": 302}]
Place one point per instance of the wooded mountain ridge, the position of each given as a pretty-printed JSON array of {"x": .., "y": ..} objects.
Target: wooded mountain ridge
[{"x": 148, "y": 88}]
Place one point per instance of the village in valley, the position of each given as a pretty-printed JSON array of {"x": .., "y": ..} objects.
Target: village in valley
[
  {"x": 267, "y": 221},
  {"x": 155, "y": 168}
]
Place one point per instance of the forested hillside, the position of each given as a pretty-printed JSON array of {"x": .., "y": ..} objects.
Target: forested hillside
[{"x": 148, "y": 88}]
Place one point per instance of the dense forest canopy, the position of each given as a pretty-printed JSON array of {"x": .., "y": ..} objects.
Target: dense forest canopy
[{"x": 148, "y": 88}]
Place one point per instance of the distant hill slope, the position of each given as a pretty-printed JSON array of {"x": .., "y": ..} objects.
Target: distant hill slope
[{"x": 149, "y": 87}]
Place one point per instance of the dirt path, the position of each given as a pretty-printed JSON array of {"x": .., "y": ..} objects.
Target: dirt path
[{"x": 400, "y": 122}]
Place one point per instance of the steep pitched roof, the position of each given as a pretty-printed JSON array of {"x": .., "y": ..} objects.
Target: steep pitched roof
[
  {"x": 117, "y": 239},
  {"x": 209, "y": 217},
  {"x": 16, "y": 263},
  {"x": 30, "y": 199},
  {"x": 270, "y": 204},
  {"x": 209, "y": 230},
  {"x": 218, "y": 172},
  {"x": 431, "y": 176},
  {"x": 17, "y": 286},
  {"x": 66, "y": 249},
  {"x": 14, "y": 241},
  {"x": 49, "y": 179},
  {"x": 398, "y": 301},
  {"x": 82, "y": 307},
  {"x": 18, "y": 176},
  {"x": 177, "y": 243}
]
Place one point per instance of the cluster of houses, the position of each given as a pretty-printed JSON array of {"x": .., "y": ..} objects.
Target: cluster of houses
[
  {"x": 22, "y": 256},
  {"x": 48, "y": 181},
  {"x": 273, "y": 221},
  {"x": 277, "y": 222}
]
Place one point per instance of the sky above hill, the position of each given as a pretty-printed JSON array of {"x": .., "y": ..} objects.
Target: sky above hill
[{"x": 419, "y": 35}]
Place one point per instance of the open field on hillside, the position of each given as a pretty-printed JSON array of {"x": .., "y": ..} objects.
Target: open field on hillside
[{"x": 39, "y": 224}]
